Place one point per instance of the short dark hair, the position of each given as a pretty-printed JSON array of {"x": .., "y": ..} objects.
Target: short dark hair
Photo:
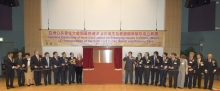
[
  {"x": 27, "y": 54},
  {"x": 174, "y": 54},
  {"x": 183, "y": 56},
  {"x": 165, "y": 53},
  {"x": 46, "y": 53},
  {"x": 63, "y": 53},
  {"x": 19, "y": 52},
  {"x": 147, "y": 53},
  {"x": 54, "y": 53},
  {"x": 200, "y": 55},
  {"x": 9, "y": 53},
  {"x": 140, "y": 54},
  {"x": 71, "y": 53},
  {"x": 130, "y": 52},
  {"x": 156, "y": 52}
]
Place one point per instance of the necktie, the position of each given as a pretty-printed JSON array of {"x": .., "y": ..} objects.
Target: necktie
[
  {"x": 198, "y": 63},
  {"x": 47, "y": 62},
  {"x": 154, "y": 60}
]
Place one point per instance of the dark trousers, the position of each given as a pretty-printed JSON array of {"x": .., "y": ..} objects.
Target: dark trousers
[
  {"x": 199, "y": 76},
  {"x": 163, "y": 77},
  {"x": 72, "y": 75},
  {"x": 138, "y": 74},
  {"x": 47, "y": 77},
  {"x": 63, "y": 76},
  {"x": 56, "y": 77},
  {"x": 59, "y": 76},
  {"x": 209, "y": 77},
  {"x": 21, "y": 79},
  {"x": 130, "y": 73},
  {"x": 188, "y": 79},
  {"x": 9, "y": 78},
  {"x": 153, "y": 72},
  {"x": 79, "y": 74},
  {"x": 146, "y": 75},
  {"x": 37, "y": 77},
  {"x": 173, "y": 74}
]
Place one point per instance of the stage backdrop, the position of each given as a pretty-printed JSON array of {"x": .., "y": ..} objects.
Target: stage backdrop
[{"x": 102, "y": 38}]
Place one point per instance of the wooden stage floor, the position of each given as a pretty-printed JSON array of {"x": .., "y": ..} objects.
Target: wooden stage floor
[{"x": 96, "y": 87}]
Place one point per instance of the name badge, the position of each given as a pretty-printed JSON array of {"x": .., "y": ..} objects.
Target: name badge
[
  {"x": 175, "y": 63},
  {"x": 182, "y": 63},
  {"x": 140, "y": 62},
  {"x": 202, "y": 64},
  {"x": 147, "y": 62},
  {"x": 190, "y": 62},
  {"x": 165, "y": 62}
]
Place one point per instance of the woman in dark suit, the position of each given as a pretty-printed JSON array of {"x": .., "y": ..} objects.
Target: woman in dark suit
[{"x": 28, "y": 73}]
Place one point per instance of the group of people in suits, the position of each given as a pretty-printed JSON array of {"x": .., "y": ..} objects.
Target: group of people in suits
[
  {"x": 33, "y": 67},
  {"x": 186, "y": 72}
]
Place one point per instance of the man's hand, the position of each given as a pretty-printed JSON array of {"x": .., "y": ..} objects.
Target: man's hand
[
  {"x": 189, "y": 66},
  {"x": 23, "y": 65},
  {"x": 202, "y": 73},
  {"x": 214, "y": 71},
  {"x": 18, "y": 66},
  {"x": 55, "y": 66},
  {"x": 194, "y": 71},
  {"x": 186, "y": 72},
  {"x": 172, "y": 68},
  {"x": 63, "y": 64},
  {"x": 190, "y": 69},
  {"x": 46, "y": 66},
  {"x": 206, "y": 71},
  {"x": 41, "y": 66},
  {"x": 35, "y": 66}
]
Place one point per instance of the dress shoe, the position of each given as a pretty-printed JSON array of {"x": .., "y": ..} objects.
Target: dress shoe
[
  {"x": 204, "y": 88},
  {"x": 40, "y": 84},
  {"x": 28, "y": 85},
  {"x": 164, "y": 85},
  {"x": 45, "y": 84},
  {"x": 126, "y": 82},
  {"x": 210, "y": 88},
  {"x": 12, "y": 87},
  {"x": 170, "y": 86},
  {"x": 49, "y": 83},
  {"x": 62, "y": 84},
  {"x": 152, "y": 84},
  {"x": 140, "y": 84},
  {"x": 174, "y": 87},
  {"x": 31, "y": 84},
  {"x": 160, "y": 85},
  {"x": 131, "y": 82},
  {"x": 147, "y": 84},
  {"x": 190, "y": 87},
  {"x": 156, "y": 84},
  {"x": 8, "y": 87},
  {"x": 135, "y": 83}
]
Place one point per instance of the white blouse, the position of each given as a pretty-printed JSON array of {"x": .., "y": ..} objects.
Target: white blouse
[{"x": 29, "y": 62}]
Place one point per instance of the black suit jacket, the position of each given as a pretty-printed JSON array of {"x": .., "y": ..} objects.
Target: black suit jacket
[
  {"x": 53, "y": 62},
  {"x": 8, "y": 65},
  {"x": 174, "y": 63},
  {"x": 25, "y": 62},
  {"x": 211, "y": 66},
  {"x": 18, "y": 61},
  {"x": 139, "y": 63},
  {"x": 71, "y": 66},
  {"x": 201, "y": 66},
  {"x": 45, "y": 63},
  {"x": 164, "y": 63},
  {"x": 157, "y": 62},
  {"x": 147, "y": 61},
  {"x": 35, "y": 61},
  {"x": 192, "y": 63},
  {"x": 63, "y": 61}
]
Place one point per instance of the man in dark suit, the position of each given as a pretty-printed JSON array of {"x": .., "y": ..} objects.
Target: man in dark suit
[
  {"x": 147, "y": 66},
  {"x": 174, "y": 64},
  {"x": 129, "y": 66},
  {"x": 164, "y": 69},
  {"x": 36, "y": 63},
  {"x": 46, "y": 65},
  {"x": 210, "y": 70},
  {"x": 199, "y": 70},
  {"x": 191, "y": 66},
  {"x": 139, "y": 69},
  {"x": 72, "y": 68},
  {"x": 156, "y": 60},
  {"x": 20, "y": 72},
  {"x": 9, "y": 69},
  {"x": 64, "y": 68},
  {"x": 55, "y": 63}
]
